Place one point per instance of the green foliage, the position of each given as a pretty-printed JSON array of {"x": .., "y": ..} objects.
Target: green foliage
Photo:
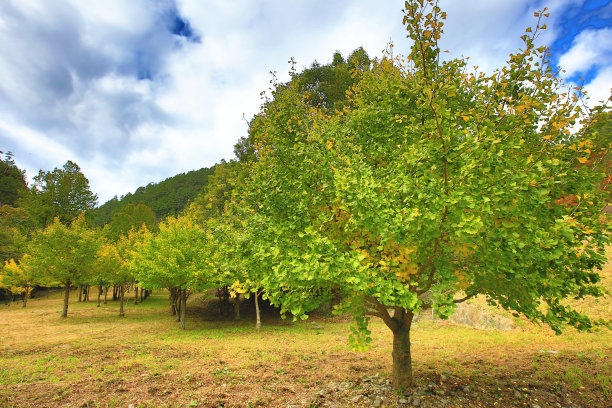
[
  {"x": 431, "y": 185},
  {"x": 166, "y": 198},
  {"x": 322, "y": 86},
  {"x": 174, "y": 257},
  {"x": 130, "y": 216},
  {"x": 211, "y": 202},
  {"x": 62, "y": 193},
  {"x": 19, "y": 277},
  {"x": 64, "y": 255},
  {"x": 12, "y": 180},
  {"x": 15, "y": 227},
  {"x": 325, "y": 86}
]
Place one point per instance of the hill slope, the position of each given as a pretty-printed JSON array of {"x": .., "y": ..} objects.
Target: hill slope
[{"x": 165, "y": 198}]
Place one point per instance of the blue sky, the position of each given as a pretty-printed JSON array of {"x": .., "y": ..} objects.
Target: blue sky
[{"x": 137, "y": 91}]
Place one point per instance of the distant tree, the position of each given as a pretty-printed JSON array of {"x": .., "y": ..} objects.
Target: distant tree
[
  {"x": 210, "y": 203},
  {"x": 130, "y": 216},
  {"x": 111, "y": 265},
  {"x": 15, "y": 227},
  {"x": 323, "y": 86},
  {"x": 12, "y": 180},
  {"x": 19, "y": 277},
  {"x": 210, "y": 211},
  {"x": 172, "y": 258},
  {"x": 64, "y": 255},
  {"x": 326, "y": 86},
  {"x": 62, "y": 193},
  {"x": 105, "y": 263}
]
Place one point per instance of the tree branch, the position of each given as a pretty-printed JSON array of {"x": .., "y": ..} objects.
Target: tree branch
[
  {"x": 463, "y": 299},
  {"x": 383, "y": 313}
]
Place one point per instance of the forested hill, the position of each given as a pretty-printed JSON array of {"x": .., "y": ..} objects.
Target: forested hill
[{"x": 165, "y": 198}]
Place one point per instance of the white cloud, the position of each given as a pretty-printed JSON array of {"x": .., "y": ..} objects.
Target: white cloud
[
  {"x": 600, "y": 88},
  {"x": 71, "y": 69},
  {"x": 590, "y": 48}
]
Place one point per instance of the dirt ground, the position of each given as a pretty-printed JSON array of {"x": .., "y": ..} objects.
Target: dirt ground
[{"x": 94, "y": 358}]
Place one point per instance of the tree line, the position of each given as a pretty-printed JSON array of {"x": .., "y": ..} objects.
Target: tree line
[{"x": 389, "y": 184}]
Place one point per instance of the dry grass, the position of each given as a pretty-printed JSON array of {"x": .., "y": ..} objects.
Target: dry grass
[{"x": 97, "y": 359}]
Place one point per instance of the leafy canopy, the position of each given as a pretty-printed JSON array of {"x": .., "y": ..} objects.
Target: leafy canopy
[{"x": 433, "y": 184}]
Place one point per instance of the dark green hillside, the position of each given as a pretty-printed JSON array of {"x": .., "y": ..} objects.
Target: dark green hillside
[{"x": 165, "y": 198}]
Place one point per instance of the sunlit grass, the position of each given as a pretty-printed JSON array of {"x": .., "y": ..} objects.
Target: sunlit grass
[{"x": 97, "y": 358}]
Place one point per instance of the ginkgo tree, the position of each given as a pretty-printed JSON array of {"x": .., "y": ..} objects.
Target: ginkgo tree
[
  {"x": 19, "y": 278},
  {"x": 112, "y": 264},
  {"x": 435, "y": 183},
  {"x": 175, "y": 258},
  {"x": 64, "y": 255}
]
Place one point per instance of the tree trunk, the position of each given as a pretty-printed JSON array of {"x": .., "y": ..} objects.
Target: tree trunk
[
  {"x": 183, "y": 301},
  {"x": 236, "y": 303},
  {"x": 173, "y": 308},
  {"x": 121, "y": 298},
  {"x": 105, "y": 293},
  {"x": 402, "y": 360},
  {"x": 142, "y": 294},
  {"x": 257, "y": 316},
  {"x": 25, "y": 298},
  {"x": 87, "y": 293},
  {"x": 99, "y": 294},
  {"x": 135, "y": 294},
  {"x": 66, "y": 298},
  {"x": 178, "y": 304},
  {"x": 80, "y": 293},
  {"x": 115, "y": 291}
]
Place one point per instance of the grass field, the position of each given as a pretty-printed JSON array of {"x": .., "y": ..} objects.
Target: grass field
[{"x": 97, "y": 359}]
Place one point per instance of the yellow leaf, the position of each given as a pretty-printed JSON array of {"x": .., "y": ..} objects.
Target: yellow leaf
[
  {"x": 582, "y": 160},
  {"x": 547, "y": 137}
]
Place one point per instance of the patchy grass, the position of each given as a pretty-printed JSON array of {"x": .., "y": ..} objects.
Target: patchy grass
[{"x": 97, "y": 359}]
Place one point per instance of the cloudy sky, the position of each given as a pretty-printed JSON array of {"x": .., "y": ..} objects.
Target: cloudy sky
[{"x": 136, "y": 91}]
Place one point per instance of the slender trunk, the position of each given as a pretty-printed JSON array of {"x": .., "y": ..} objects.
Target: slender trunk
[
  {"x": 115, "y": 292},
  {"x": 183, "y": 301},
  {"x": 99, "y": 294},
  {"x": 237, "y": 307},
  {"x": 121, "y": 297},
  {"x": 25, "y": 297},
  {"x": 257, "y": 318},
  {"x": 66, "y": 298},
  {"x": 105, "y": 293},
  {"x": 173, "y": 309},
  {"x": 80, "y": 293},
  {"x": 178, "y": 306},
  {"x": 402, "y": 359},
  {"x": 87, "y": 293},
  {"x": 142, "y": 294},
  {"x": 135, "y": 294}
]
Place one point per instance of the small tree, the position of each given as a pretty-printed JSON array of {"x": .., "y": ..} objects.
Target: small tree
[
  {"x": 62, "y": 193},
  {"x": 223, "y": 228},
  {"x": 172, "y": 258},
  {"x": 431, "y": 186},
  {"x": 64, "y": 255},
  {"x": 19, "y": 278},
  {"x": 109, "y": 269}
]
